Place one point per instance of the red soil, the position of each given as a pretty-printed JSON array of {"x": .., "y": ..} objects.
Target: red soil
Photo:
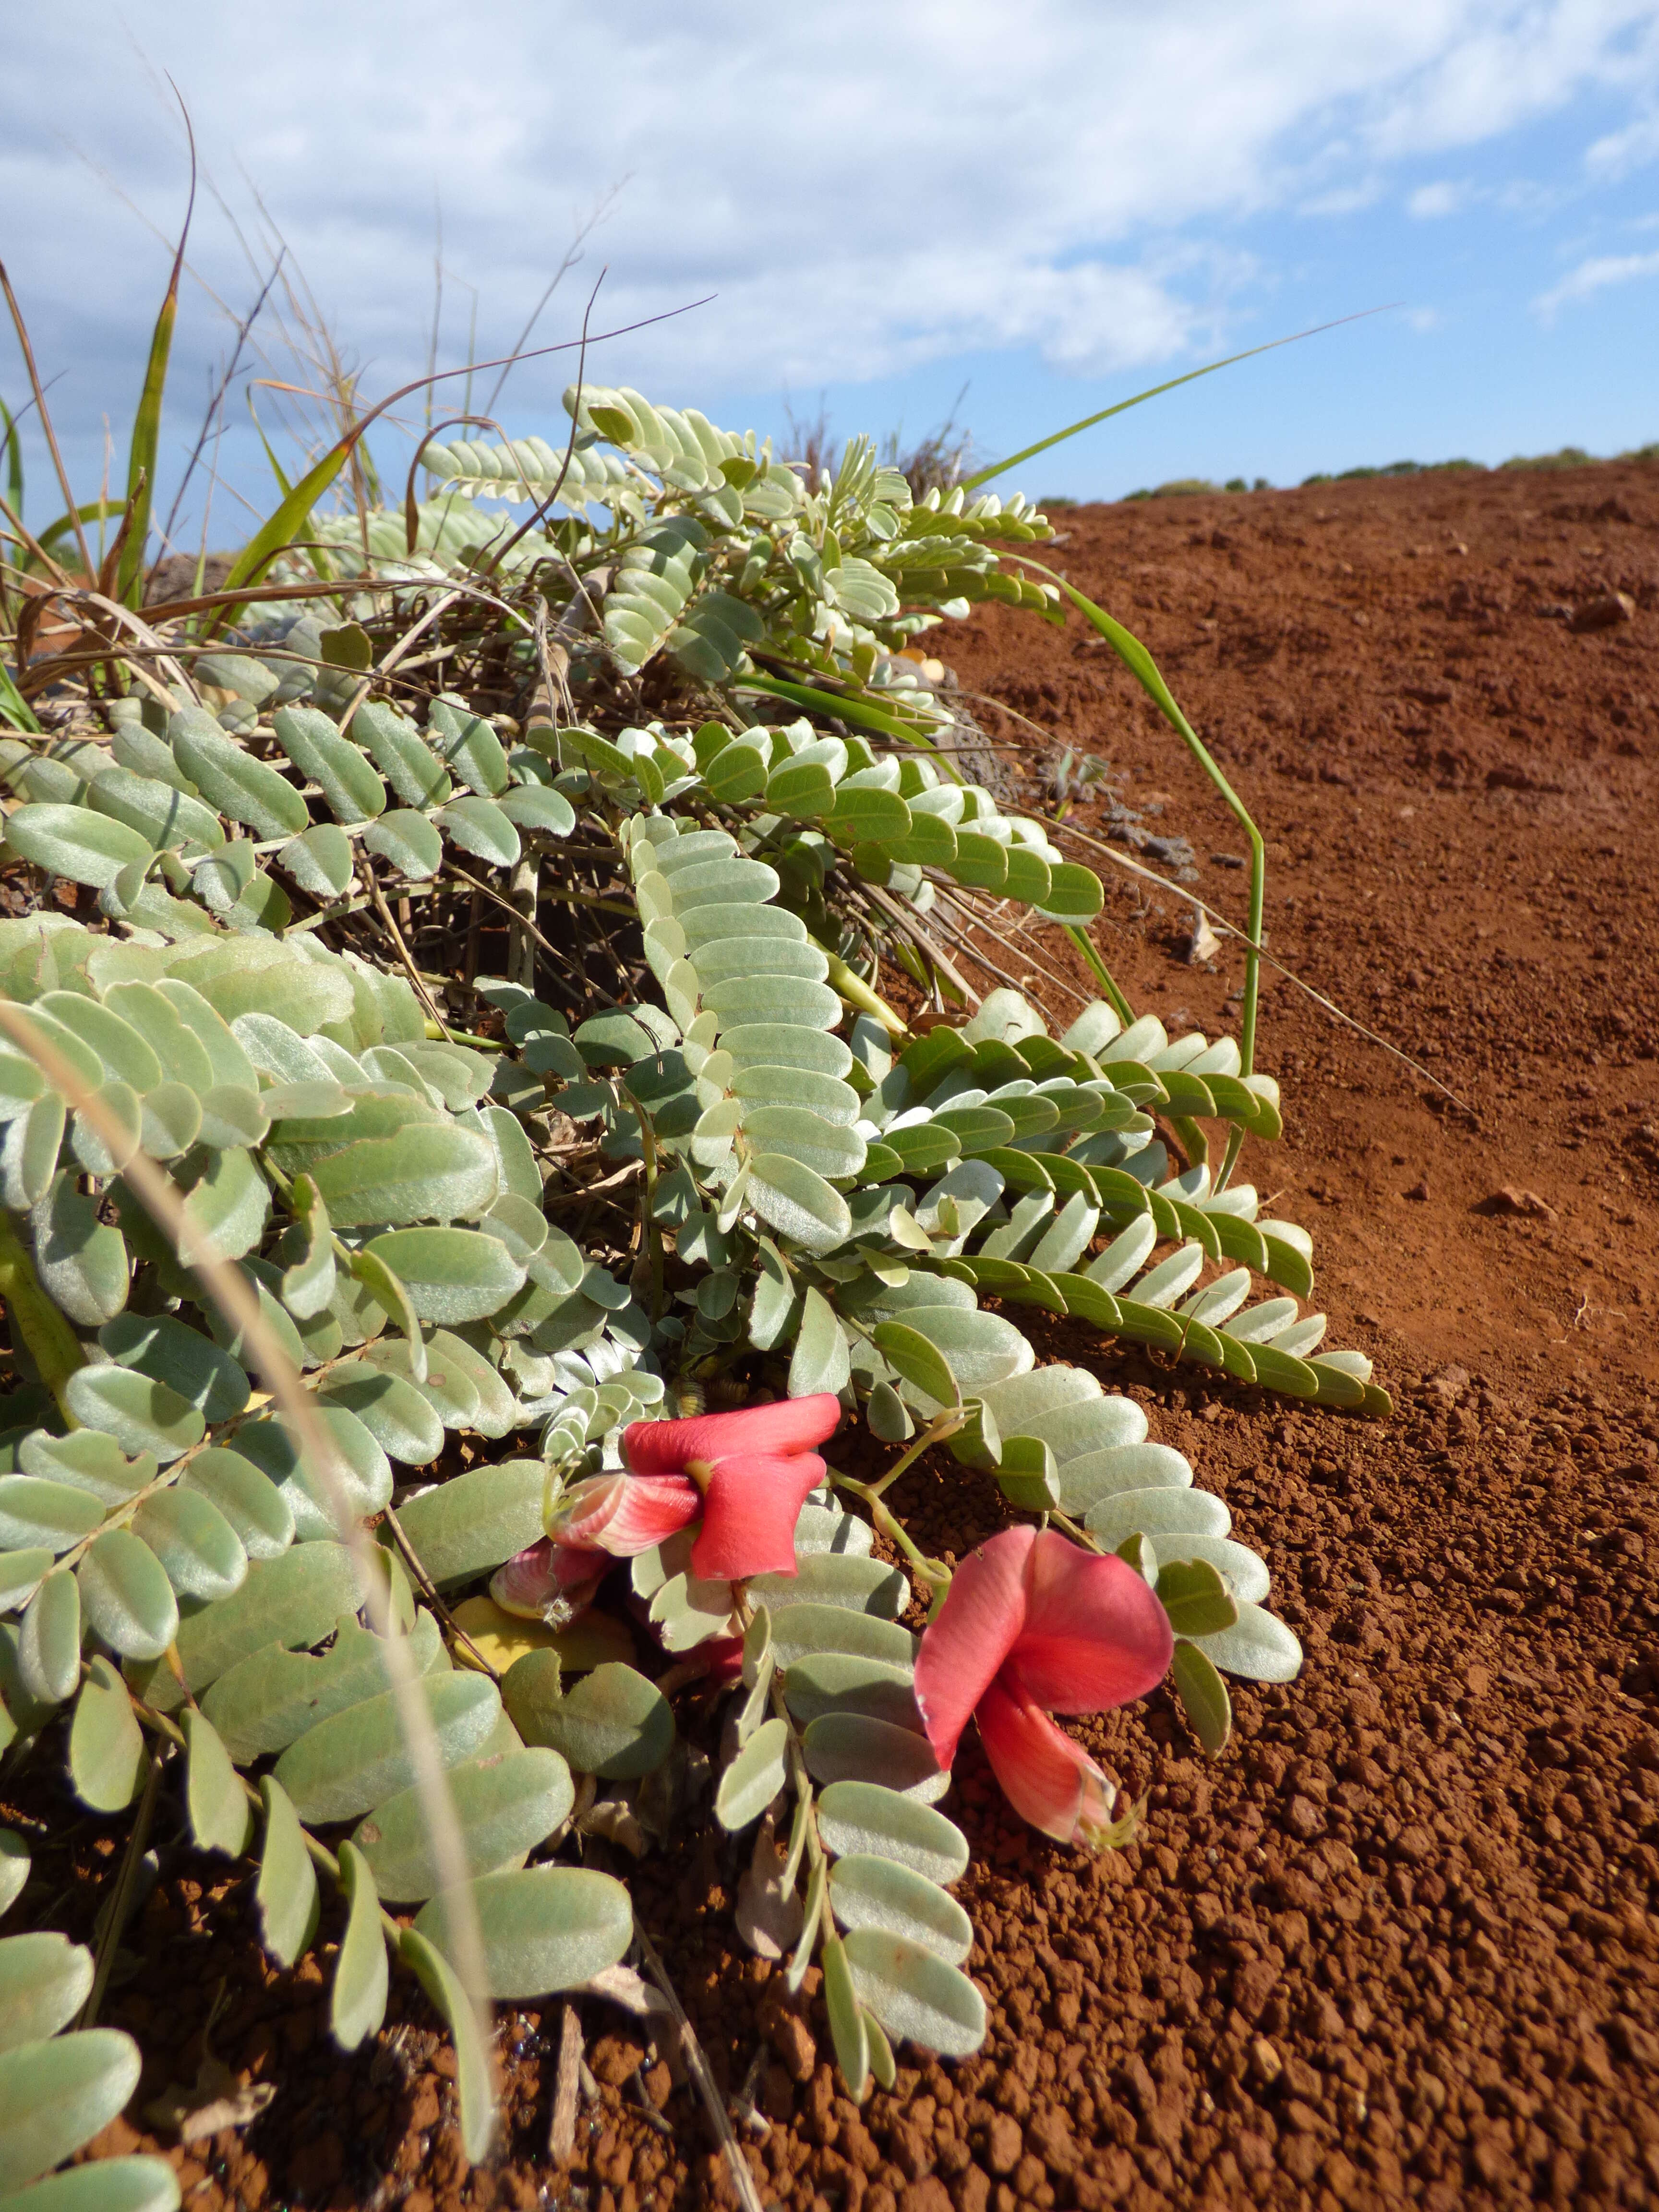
[{"x": 1397, "y": 1943}]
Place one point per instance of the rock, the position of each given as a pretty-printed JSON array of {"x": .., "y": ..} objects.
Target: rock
[
  {"x": 1266, "y": 2064},
  {"x": 1005, "y": 2145},
  {"x": 1509, "y": 1198},
  {"x": 1418, "y": 1191},
  {"x": 1605, "y": 612}
]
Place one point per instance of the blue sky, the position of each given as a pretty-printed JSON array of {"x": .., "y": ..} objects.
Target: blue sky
[{"x": 1054, "y": 202}]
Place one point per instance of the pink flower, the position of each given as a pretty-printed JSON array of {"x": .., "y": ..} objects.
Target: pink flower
[
  {"x": 1034, "y": 1623},
  {"x": 548, "y": 1582},
  {"x": 624, "y": 1514},
  {"x": 747, "y": 1472}
]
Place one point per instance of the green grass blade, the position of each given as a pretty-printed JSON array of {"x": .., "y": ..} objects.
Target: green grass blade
[
  {"x": 13, "y": 446},
  {"x": 1145, "y": 669},
  {"x": 15, "y": 709},
  {"x": 1059, "y": 438},
  {"x": 147, "y": 427}
]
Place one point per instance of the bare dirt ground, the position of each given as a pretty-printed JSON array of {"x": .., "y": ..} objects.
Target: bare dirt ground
[{"x": 1398, "y": 1944}]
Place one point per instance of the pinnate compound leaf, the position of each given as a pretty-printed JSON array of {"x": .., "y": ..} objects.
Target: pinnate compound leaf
[
  {"x": 286, "y": 1891},
  {"x": 544, "y": 1928},
  {"x": 474, "y": 2073},
  {"x": 221, "y": 1819},
  {"x": 915, "y": 1994},
  {"x": 55, "y": 2095},
  {"x": 357, "y": 2001}
]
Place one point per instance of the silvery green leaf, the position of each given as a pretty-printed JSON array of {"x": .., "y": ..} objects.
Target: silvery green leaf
[
  {"x": 832, "y": 1681},
  {"x": 402, "y": 755},
  {"x": 544, "y": 1928},
  {"x": 1259, "y": 1647},
  {"x": 841, "y": 1576},
  {"x": 37, "y": 1514},
  {"x": 394, "y": 1413},
  {"x": 220, "y": 1817},
  {"x": 410, "y": 843},
  {"x": 477, "y": 1520},
  {"x": 847, "y": 2021},
  {"x": 358, "y": 1758},
  {"x": 293, "y": 1601},
  {"x": 126, "y": 1596},
  {"x": 357, "y": 2001},
  {"x": 28, "y": 1153},
  {"x": 286, "y": 1891},
  {"x": 1160, "y": 1512},
  {"x": 268, "y": 1700},
  {"x": 351, "y": 790},
  {"x": 107, "y": 1762},
  {"x": 821, "y": 1360},
  {"x": 1244, "y": 1574},
  {"x": 49, "y": 1640},
  {"x": 75, "y": 842},
  {"x": 503, "y": 1807},
  {"x": 122, "y": 1055},
  {"x": 918, "y": 1358},
  {"x": 164, "y": 1350},
  {"x": 45, "y": 1979},
  {"x": 863, "y": 1816},
  {"x": 915, "y": 1994},
  {"x": 612, "y": 1723},
  {"x": 754, "y": 1778},
  {"x": 427, "y": 1171},
  {"x": 57, "y": 2093},
  {"x": 798, "y": 1203},
  {"x": 1092, "y": 1476},
  {"x": 199, "y": 1550},
  {"x": 452, "y": 1275},
  {"x": 319, "y": 861},
  {"x": 20, "y": 1573},
  {"x": 479, "y": 827},
  {"x": 850, "y": 1747},
  {"x": 81, "y": 1262},
  {"x": 1203, "y": 1698},
  {"x": 475, "y": 2077},
  {"x": 14, "y": 1868},
  {"x": 231, "y": 780},
  {"x": 800, "y": 1629},
  {"x": 870, "y": 1892}
]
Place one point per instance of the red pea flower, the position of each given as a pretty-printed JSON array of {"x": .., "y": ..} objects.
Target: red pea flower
[
  {"x": 1035, "y": 1625},
  {"x": 745, "y": 1473},
  {"x": 748, "y": 1472}
]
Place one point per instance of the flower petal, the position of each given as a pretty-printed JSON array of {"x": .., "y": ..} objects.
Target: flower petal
[
  {"x": 625, "y": 1514},
  {"x": 1048, "y": 1779},
  {"x": 548, "y": 1582},
  {"x": 750, "y": 1514},
  {"x": 792, "y": 1424},
  {"x": 978, "y": 1626},
  {"x": 1095, "y": 1635}
]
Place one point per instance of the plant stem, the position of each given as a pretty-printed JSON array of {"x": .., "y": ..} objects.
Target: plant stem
[{"x": 1119, "y": 1003}]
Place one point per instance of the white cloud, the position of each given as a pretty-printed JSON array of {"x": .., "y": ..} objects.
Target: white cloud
[
  {"x": 866, "y": 187},
  {"x": 1621, "y": 151},
  {"x": 1595, "y": 276},
  {"x": 1430, "y": 201}
]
